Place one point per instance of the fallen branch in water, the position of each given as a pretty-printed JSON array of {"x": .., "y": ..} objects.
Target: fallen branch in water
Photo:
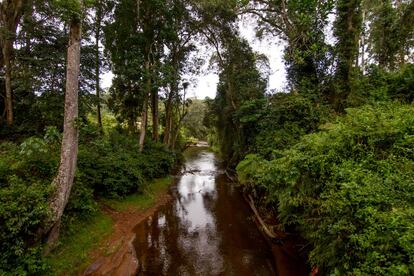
[{"x": 268, "y": 231}]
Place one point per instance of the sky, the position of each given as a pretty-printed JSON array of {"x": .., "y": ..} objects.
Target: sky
[{"x": 205, "y": 84}]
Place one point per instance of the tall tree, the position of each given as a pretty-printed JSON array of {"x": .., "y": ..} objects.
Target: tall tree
[
  {"x": 135, "y": 40},
  {"x": 69, "y": 151},
  {"x": 240, "y": 83},
  {"x": 10, "y": 15},
  {"x": 98, "y": 32},
  {"x": 301, "y": 23},
  {"x": 98, "y": 17},
  {"x": 179, "y": 42},
  {"x": 383, "y": 37},
  {"x": 347, "y": 29}
]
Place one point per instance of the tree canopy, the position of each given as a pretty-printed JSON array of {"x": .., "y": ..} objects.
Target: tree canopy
[{"x": 328, "y": 159}]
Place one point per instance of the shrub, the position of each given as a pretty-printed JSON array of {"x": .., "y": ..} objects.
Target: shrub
[
  {"x": 286, "y": 118},
  {"x": 379, "y": 85},
  {"x": 108, "y": 166},
  {"x": 26, "y": 172},
  {"x": 113, "y": 167},
  {"x": 349, "y": 191}
]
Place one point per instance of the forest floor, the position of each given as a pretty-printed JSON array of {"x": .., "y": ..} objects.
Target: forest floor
[{"x": 104, "y": 245}]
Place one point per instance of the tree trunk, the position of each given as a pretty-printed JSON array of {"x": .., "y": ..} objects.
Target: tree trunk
[
  {"x": 155, "y": 115},
  {"x": 7, "y": 52},
  {"x": 97, "y": 61},
  {"x": 10, "y": 15},
  {"x": 175, "y": 137},
  {"x": 143, "y": 124},
  {"x": 347, "y": 29},
  {"x": 181, "y": 116},
  {"x": 69, "y": 151},
  {"x": 168, "y": 114},
  {"x": 363, "y": 34},
  {"x": 144, "y": 116}
]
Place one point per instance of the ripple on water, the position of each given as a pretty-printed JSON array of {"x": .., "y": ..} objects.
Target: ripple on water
[{"x": 205, "y": 230}]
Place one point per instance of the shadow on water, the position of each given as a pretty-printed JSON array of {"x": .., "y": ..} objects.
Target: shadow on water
[{"x": 206, "y": 230}]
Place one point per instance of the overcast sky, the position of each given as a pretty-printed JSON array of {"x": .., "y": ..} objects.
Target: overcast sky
[{"x": 206, "y": 84}]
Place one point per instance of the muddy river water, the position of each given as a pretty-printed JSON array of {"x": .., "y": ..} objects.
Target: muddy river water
[{"x": 207, "y": 229}]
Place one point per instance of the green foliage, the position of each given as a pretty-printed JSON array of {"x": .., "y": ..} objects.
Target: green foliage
[
  {"x": 69, "y": 9},
  {"x": 193, "y": 121},
  {"x": 108, "y": 166},
  {"x": 25, "y": 176},
  {"x": 282, "y": 121},
  {"x": 113, "y": 167},
  {"x": 240, "y": 86},
  {"x": 379, "y": 85},
  {"x": 348, "y": 190},
  {"x": 142, "y": 200}
]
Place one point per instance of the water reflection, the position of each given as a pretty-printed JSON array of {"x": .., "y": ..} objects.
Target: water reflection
[{"x": 206, "y": 230}]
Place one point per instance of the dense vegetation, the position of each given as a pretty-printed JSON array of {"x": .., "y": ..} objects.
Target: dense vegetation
[
  {"x": 331, "y": 156},
  {"x": 113, "y": 158},
  {"x": 109, "y": 166}
]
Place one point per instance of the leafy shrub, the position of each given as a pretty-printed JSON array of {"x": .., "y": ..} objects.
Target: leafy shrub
[
  {"x": 285, "y": 119},
  {"x": 113, "y": 166},
  {"x": 349, "y": 191},
  {"x": 26, "y": 171},
  {"x": 108, "y": 165},
  {"x": 379, "y": 85},
  {"x": 82, "y": 202}
]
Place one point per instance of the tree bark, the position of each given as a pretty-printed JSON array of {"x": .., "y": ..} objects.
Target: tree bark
[
  {"x": 7, "y": 52},
  {"x": 168, "y": 114},
  {"x": 143, "y": 124},
  {"x": 10, "y": 15},
  {"x": 363, "y": 34},
  {"x": 144, "y": 116},
  {"x": 155, "y": 115},
  {"x": 97, "y": 60},
  {"x": 69, "y": 151},
  {"x": 181, "y": 116}
]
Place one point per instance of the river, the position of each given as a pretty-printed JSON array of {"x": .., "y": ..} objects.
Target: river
[{"x": 207, "y": 229}]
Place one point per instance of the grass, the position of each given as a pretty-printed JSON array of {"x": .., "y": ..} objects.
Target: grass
[
  {"x": 143, "y": 200},
  {"x": 83, "y": 237},
  {"x": 72, "y": 255}
]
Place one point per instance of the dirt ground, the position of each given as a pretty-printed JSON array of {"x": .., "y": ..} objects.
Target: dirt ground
[{"x": 116, "y": 255}]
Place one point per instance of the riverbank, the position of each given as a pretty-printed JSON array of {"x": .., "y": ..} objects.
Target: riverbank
[{"x": 101, "y": 244}]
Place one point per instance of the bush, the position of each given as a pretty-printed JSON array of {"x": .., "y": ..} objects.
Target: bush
[
  {"x": 286, "y": 118},
  {"x": 379, "y": 86},
  {"x": 113, "y": 167},
  {"x": 349, "y": 191},
  {"x": 108, "y": 166},
  {"x": 25, "y": 177}
]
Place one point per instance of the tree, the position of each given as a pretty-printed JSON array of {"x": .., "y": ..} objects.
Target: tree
[
  {"x": 193, "y": 122},
  {"x": 301, "y": 23},
  {"x": 135, "y": 42},
  {"x": 98, "y": 32},
  {"x": 240, "y": 82},
  {"x": 391, "y": 35},
  {"x": 179, "y": 42},
  {"x": 347, "y": 29},
  {"x": 66, "y": 173},
  {"x": 10, "y": 14}
]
